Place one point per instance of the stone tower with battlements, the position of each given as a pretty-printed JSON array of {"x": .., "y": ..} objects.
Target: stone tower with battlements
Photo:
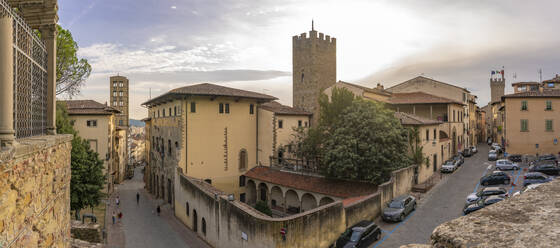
[
  {"x": 497, "y": 88},
  {"x": 314, "y": 69}
]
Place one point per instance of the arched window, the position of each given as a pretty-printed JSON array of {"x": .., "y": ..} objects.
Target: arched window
[
  {"x": 204, "y": 226},
  {"x": 169, "y": 146},
  {"x": 187, "y": 207},
  {"x": 176, "y": 144},
  {"x": 243, "y": 159}
]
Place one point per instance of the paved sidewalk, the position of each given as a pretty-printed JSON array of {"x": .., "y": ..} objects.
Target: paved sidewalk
[{"x": 140, "y": 226}]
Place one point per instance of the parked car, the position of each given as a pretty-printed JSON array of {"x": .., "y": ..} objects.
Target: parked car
[
  {"x": 515, "y": 158},
  {"x": 359, "y": 235},
  {"x": 482, "y": 204},
  {"x": 504, "y": 164},
  {"x": 496, "y": 148},
  {"x": 467, "y": 152},
  {"x": 449, "y": 166},
  {"x": 399, "y": 208},
  {"x": 492, "y": 155},
  {"x": 473, "y": 149},
  {"x": 495, "y": 178},
  {"x": 486, "y": 192},
  {"x": 527, "y": 188},
  {"x": 546, "y": 157},
  {"x": 548, "y": 167},
  {"x": 459, "y": 158},
  {"x": 535, "y": 177}
]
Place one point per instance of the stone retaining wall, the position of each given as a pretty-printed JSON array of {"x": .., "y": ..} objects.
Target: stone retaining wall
[{"x": 35, "y": 192}]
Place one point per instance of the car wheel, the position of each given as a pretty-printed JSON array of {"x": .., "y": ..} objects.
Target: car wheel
[
  {"x": 485, "y": 183},
  {"x": 506, "y": 181},
  {"x": 378, "y": 236},
  {"x": 402, "y": 217}
]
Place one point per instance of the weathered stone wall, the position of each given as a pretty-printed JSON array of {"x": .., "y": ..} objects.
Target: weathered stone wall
[
  {"x": 365, "y": 209},
  {"x": 35, "y": 193}
]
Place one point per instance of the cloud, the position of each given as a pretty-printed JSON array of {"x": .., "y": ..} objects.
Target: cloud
[{"x": 173, "y": 7}]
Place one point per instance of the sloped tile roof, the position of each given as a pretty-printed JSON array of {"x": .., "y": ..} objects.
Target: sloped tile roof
[
  {"x": 366, "y": 89},
  {"x": 419, "y": 98},
  {"x": 544, "y": 93},
  {"x": 88, "y": 107},
  {"x": 207, "y": 89},
  {"x": 410, "y": 119},
  {"x": 429, "y": 79},
  {"x": 280, "y": 109},
  {"x": 321, "y": 185},
  {"x": 525, "y": 83}
]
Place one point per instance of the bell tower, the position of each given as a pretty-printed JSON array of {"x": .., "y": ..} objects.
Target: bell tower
[
  {"x": 314, "y": 69},
  {"x": 497, "y": 86}
]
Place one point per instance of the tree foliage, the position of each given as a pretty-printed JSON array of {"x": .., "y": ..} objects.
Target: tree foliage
[
  {"x": 367, "y": 143},
  {"x": 87, "y": 169},
  {"x": 71, "y": 72},
  {"x": 355, "y": 139},
  {"x": 263, "y": 208},
  {"x": 416, "y": 150}
]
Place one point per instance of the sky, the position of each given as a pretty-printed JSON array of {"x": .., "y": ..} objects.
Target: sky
[{"x": 164, "y": 44}]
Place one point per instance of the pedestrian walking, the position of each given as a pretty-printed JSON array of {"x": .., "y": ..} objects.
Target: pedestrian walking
[
  {"x": 113, "y": 217},
  {"x": 158, "y": 210},
  {"x": 137, "y": 198},
  {"x": 120, "y": 215},
  {"x": 117, "y": 201}
]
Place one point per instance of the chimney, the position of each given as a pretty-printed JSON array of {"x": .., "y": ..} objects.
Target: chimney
[{"x": 379, "y": 86}]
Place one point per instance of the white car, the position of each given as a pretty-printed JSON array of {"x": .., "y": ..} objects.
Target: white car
[
  {"x": 504, "y": 164},
  {"x": 449, "y": 166},
  {"x": 473, "y": 149},
  {"x": 529, "y": 187}
]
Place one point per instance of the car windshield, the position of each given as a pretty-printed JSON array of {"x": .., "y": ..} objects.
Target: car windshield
[
  {"x": 355, "y": 236},
  {"x": 395, "y": 204},
  {"x": 448, "y": 162},
  {"x": 492, "y": 152}
]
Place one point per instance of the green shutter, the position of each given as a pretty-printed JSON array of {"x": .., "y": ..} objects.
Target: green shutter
[
  {"x": 524, "y": 105},
  {"x": 548, "y": 105},
  {"x": 524, "y": 125},
  {"x": 548, "y": 125}
]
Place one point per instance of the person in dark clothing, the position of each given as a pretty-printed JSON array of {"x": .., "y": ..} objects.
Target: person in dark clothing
[
  {"x": 158, "y": 210},
  {"x": 137, "y": 198}
]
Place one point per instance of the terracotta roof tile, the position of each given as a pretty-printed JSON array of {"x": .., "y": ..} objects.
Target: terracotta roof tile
[
  {"x": 372, "y": 90},
  {"x": 207, "y": 89},
  {"x": 88, "y": 107},
  {"x": 409, "y": 119},
  {"x": 280, "y": 109},
  {"x": 544, "y": 93},
  {"x": 425, "y": 78},
  {"x": 419, "y": 98},
  {"x": 332, "y": 187},
  {"x": 526, "y": 83}
]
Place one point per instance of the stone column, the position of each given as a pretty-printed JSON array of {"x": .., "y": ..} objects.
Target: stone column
[
  {"x": 48, "y": 34},
  {"x": 6, "y": 81}
]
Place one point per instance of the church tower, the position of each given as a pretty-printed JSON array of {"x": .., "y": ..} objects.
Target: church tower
[
  {"x": 497, "y": 86},
  {"x": 314, "y": 69}
]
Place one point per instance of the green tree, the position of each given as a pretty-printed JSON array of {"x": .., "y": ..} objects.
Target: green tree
[
  {"x": 71, "y": 72},
  {"x": 366, "y": 144},
  {"x": 416, "y": 150},
  {"x": 87, "y": 169}
]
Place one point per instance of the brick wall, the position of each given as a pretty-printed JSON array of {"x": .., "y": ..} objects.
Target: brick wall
[{"x": 35, "y": 193}]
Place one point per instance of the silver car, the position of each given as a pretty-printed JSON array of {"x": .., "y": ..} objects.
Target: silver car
[
  {"x": 504, "y": 164},
  {"x": 449, "y": 166},
  {"x": 473, "y": 149},
  {"x": 492, "y": 155},
  {"x": 486, "y": 192}
]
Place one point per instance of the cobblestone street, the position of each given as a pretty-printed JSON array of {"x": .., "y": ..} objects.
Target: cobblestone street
[{"x": 140, "y": 226}]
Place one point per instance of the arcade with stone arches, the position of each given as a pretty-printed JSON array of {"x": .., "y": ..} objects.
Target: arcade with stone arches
[{"x": 282, "y": 200}]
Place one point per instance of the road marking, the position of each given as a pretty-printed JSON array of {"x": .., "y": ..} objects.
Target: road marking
[
  {"x": 515, "y": 181},
  {"x": 484, "y": 174},
  {"x": 394, "y": 229}
]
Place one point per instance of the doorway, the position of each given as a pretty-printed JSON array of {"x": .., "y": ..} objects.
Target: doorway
[
  {"x": 435, "y": 162},
  {"x": 195, "y": 221}
]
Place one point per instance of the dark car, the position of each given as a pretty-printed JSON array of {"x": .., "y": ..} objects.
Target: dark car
[
  {"x": 399, "y": 208},
  {"x": 459, "y": 158},
  {"x": 486, "y": 192},
  {"x": 495, "y": 178},
  {"x": 515, "y": 158},
  {"x": 546, "y": 157},
  {"x": 359, "y": 235},
  {"x": 535, "y": 177},
  {"x": 467, "y": 152},
  {"x": 469, "y": 208},
  {"x": 547, "y": 167}
]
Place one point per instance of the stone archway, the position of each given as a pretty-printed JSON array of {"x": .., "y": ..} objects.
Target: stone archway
[
  {"x": 276, "y": 197},
  {"x": 308, "y": 202},
  {"x": 325, "y": 200},
  {"x": 263, "y": 192},
  {"x": 251, "y": 192},
  {"x": 292, "y": 202}
]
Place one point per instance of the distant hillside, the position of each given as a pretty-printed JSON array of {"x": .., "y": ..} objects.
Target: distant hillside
[{"x": 136, "y": 123}]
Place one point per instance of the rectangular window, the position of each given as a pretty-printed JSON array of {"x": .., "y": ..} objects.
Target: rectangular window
[
  {"x": 91, "y": 123},
  {"x": 169, "y": 111},
  {"x": 242, "y": 197},
  {"x": 227, "y": 108},
  {"x": 241, "y": 181},
  {"x": 280, "y": 124},
  {"x": 251, "y": 109},
  {"x": 427, "y": 134},
  {"x": 523, "y": 105},
  {"x": 299, "y": 123},
  {"x": 221, "y": 108},
  {"x": 175, "y": 111},
  {"x": 524, "y": 125},
  {"x": 121, "y": 84},
  {"x": 548, "y": 105},
  {"x": 120, "y": 93},
  {"x": 193, "y": 107},
  {"x": 435, "y": 134},
  {"x": 121, "y": 103},
  {"x": 120, "y": 122},
  {"x": 115, "y": 103},
  {"x": 548, "y": 124},
  {"x": 115, "y": 93},
  {"x": 453, "y": 115}
]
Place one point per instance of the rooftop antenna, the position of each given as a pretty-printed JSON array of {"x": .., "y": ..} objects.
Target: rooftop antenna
[
  {"x": 312, "y": 25},
  {"x": 540, "y": 75}
]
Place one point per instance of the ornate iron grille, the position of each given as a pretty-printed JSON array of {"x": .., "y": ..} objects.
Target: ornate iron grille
[{"x": 30, "y": 78}]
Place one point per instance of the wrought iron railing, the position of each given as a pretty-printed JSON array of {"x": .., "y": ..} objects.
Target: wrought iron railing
[
  {"x": 30, "y": 77},
  {"x": 294, "y": 165}
]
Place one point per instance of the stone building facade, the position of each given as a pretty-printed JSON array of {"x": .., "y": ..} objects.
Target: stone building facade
[
  {"x": 35, "y": 192},
  {"x": 118, "y": 86},
  {"x": 314, "y": 69}
]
